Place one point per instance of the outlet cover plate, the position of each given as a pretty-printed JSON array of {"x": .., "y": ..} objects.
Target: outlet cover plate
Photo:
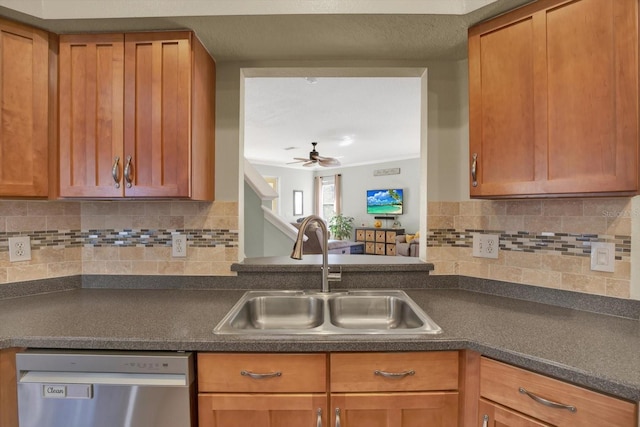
[
  {"x": 603, "y": 256},
  {"x": 178, "y": 245},
  {"x": 486, "y": 245},
  {"x": 19, "y": 248}
]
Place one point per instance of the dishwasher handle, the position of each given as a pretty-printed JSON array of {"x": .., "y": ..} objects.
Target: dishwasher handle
[{"x": 103, "y": 378}]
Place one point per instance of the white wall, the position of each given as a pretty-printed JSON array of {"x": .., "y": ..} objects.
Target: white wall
[
  {"x": 356, "y": 180},
  {"x": 290, "y": 179}
]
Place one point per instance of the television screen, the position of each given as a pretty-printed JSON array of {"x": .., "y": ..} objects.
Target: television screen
[{"x": 384, "y": 202}]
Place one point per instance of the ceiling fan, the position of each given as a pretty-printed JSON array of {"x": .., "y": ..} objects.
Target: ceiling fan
[{"x": 316, "y": 158}]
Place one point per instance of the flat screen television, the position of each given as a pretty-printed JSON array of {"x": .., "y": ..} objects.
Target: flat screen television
[{"x": 385, "y": 202}]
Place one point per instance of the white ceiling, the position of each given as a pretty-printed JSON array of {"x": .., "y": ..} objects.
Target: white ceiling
[{"x": 356, "y": 120}]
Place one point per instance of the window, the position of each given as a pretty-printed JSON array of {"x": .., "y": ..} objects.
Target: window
[
  {"x": 273, "y": 182},
  {"x": 328, "y": 198}
]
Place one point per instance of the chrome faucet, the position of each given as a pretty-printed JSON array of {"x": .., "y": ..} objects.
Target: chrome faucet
[{"x": 297, "y": 250}]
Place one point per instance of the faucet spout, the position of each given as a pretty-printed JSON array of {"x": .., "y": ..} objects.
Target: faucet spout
[{"x": 297, "y": 247}]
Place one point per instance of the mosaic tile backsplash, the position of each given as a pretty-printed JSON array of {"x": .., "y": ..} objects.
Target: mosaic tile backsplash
[
  {"x": 70, "y": 238},
  {"x": 543, "y": 242}
]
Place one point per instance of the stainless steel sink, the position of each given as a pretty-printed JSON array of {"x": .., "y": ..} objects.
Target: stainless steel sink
[
  {"x": 279, "y": 312},
  {"x": 357, "y": 312},
  {"x": 373, "y": 312}
]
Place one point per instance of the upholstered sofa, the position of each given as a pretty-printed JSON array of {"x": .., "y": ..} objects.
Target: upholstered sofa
[
  {"x": 403, "y": 248},
  {"x": 313, "y": 245}
]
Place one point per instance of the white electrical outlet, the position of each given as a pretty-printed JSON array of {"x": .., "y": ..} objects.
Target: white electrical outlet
[
  {"x": 603, "y": 256},
  {"x": 486, "y": 245},
  {"x": 178, "y": 245},
  {"x": 19, "y": 248}
]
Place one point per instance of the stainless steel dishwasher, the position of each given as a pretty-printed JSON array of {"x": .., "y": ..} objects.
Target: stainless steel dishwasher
[{"x": 105, "y": 389}]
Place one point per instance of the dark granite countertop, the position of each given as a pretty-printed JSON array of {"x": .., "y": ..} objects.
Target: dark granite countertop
[
  {"x": 594, "y": 350},
  {"x": 368, "y": 263}
]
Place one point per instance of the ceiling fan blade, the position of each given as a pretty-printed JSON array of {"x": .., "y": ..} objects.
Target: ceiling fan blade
[
  {"x": 328, "y": 161},
  {"x": 297, "y": 161},
  {"x": 309, "y": 163}
]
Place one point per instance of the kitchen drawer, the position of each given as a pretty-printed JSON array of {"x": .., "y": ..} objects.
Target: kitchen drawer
[
  {"x": 501, "y": 383},
  {"x": 356, "y": 372},
  {"x": 298, "y": 373}
]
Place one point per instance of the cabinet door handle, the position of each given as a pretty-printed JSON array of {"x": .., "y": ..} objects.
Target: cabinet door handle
[
  {"x": 394, "y": 374},
  {"x": 127, "y": 172},
  {"x": 319, "y": 418},
  {"x": 485, "y": 421},
  {"x": 115, "y": 171},
  {"x": 256, "y": 376},
  {"x": 338, "y": 417},
  {"x": 546, "y": 402},
  {"x": 474, "y": 170}
]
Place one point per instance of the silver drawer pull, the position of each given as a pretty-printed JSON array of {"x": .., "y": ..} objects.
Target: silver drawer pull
[
  {"x": 337, "y": 423},
  {"x": 546, "y": 402},
  {"x": 394, "y": 374},
  {"x": 319, "y": 418},
  {"x": 485, "y": 421},
  {"x": 260, "y": 376}
]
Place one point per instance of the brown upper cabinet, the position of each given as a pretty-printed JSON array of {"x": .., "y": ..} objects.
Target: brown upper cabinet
[
  {"x": 136, "y": 116},
  {"x": 24, "y": 115},
  {"x": 553, "y": 100}
]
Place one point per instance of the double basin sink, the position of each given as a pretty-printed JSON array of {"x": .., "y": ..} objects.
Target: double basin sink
[{"x": 388, "y": 312}]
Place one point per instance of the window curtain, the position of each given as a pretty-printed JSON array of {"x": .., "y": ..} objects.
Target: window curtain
[
  {"x": 337, "y": 186},
  {"x": 317, "y": 187}
]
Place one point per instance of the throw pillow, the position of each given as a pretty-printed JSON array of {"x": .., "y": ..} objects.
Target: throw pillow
[{"x": 409, "y": 237}]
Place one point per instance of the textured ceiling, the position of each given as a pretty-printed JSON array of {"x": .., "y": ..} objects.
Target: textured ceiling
[
  {"x": 303, "y": 37},
  {"x": 357, "y": 120}
]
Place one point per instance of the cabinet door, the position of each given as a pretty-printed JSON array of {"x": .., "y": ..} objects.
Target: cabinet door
[
  {"x": 8, "y": 388},
  {"x": 24, "y": 89},
  {"x": 546, "y": 117},
  {"x": 592, "y": 104},
  {"x": 492, "y": 415},
  {"x": 158, "y": 114},
  {"x": 262, "y": 410},
  {"x": 91, "y": 115},
  {"x": 438, "y": 409}
]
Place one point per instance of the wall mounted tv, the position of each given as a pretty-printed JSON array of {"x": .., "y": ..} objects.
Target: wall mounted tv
[{"x": 385, "y": 202}]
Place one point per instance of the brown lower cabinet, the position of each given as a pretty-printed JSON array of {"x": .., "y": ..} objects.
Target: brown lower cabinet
[
  {"x": 493, "y": 415},
  {"x": 515, "y": 397},
  {"x": 8, "y": 388},
  {"x": 338, "y": 390}
]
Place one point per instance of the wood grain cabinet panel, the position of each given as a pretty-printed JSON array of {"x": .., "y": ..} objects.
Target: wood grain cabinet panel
[
  {"x": 276, "y": 390},
  {"x": 91, "y": 106},
  {"x": 492, "y": 415},
  {"x": 506, "y": 386},
  {"x": 553, "y": 100},
  {"x": 24, "y": 111},
  {"x": 136, "y": 116},
  {"x": 394, "y": 389},
  {"x": 296, "y": 373},
  {"x": 8, "y": 388},
  {"x": 437, "y": 409}
]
